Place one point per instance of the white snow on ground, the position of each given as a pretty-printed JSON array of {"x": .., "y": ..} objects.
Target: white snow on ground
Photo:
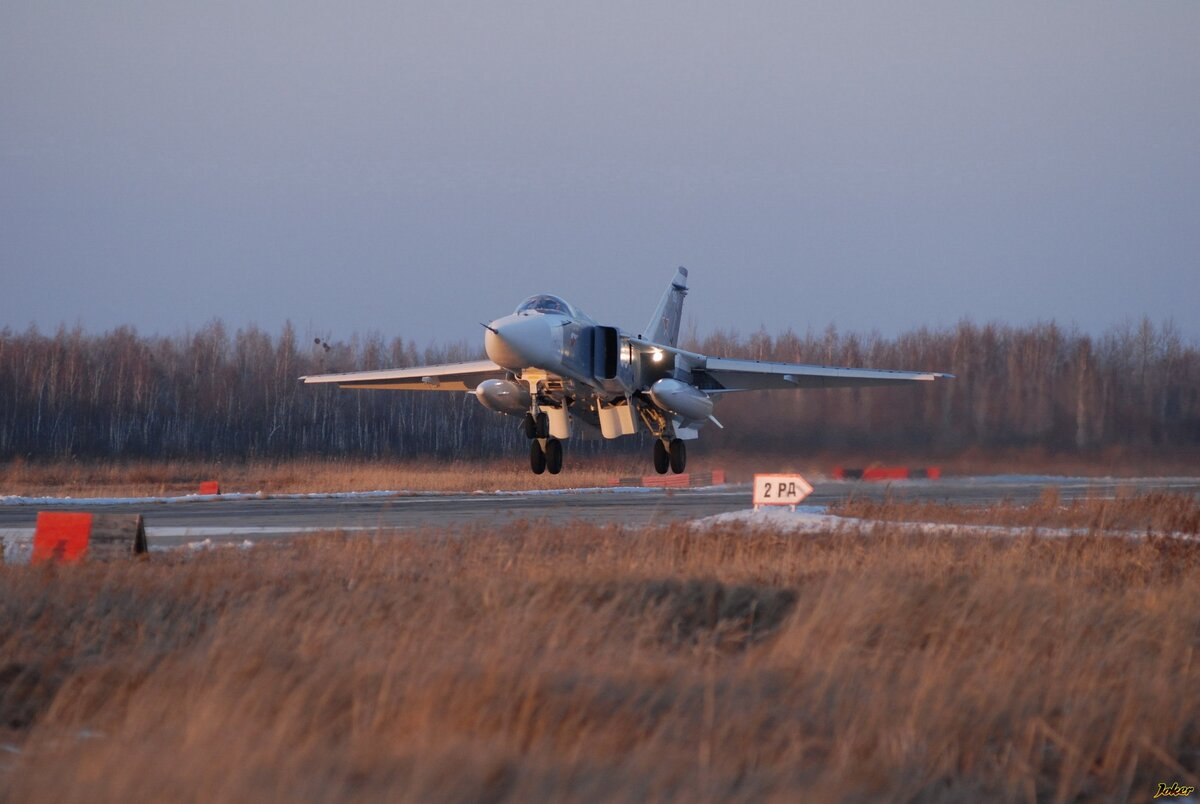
[
  {"x": 814, "y": 519},
  {"x": 209, "y": 544},
  {"x": 17, "y": 544}
]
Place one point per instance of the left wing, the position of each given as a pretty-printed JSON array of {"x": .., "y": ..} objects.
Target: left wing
[{"x": 444, "y": 377}]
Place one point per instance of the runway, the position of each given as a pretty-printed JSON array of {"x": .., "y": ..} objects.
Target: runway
[{"x": 176, "y": 521}]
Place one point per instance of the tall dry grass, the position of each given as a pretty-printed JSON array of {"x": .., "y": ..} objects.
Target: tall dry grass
[
  {"x": 1152, "y": 512},
  {"x": 606, "y": 664}
]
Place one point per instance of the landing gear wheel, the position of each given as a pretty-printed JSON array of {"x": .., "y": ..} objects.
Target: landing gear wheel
[
  {"x": 537, "y": 458},
  {"x": 543, "y": 426},
  {"x": 662, "y": 460},
  {"x": 554, "y": 456},
  {"x": 678, "y": 456},
  {"x": 530, "y": 426}
]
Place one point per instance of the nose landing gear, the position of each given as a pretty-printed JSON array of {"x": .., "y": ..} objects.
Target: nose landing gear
[
  {"x": 536, "y": 427},
  {"x": 547, "y": 458},
  {"x": 537, "y": 458},
  {"x": 554, "y": 455}
]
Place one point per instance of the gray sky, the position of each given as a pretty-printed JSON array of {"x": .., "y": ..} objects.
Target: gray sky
[{"x": 415, "y": 168}]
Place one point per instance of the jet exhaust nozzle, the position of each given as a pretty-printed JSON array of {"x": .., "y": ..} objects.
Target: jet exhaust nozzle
[
  {"x": 503, "y": 396},
  {"x": 680, "y": 398}
]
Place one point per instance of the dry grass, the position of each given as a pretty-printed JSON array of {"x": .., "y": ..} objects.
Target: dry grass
[
  {"x": 163, "y": 478},
  {"x": 96, "y": 478},
  {"x": 604, "y": 664},
  {"x": 1151, "y": 512}
]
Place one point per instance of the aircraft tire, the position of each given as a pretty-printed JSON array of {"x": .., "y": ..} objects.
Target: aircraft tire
[
  {"x": 537, "y": 458},
  {"x": 678, "y": 456},
  {"x": 662, "y": 459},
  {"x": 554, "y": 456},
  {"x": 543, "y": 425},
  {"x": 530, "y": 426}
]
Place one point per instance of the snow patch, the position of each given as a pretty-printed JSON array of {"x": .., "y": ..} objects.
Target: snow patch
[
  {"x": 17, "y": 545},
  {"x": 209, "y": 544},
  {"x": 814, "y": 519}
]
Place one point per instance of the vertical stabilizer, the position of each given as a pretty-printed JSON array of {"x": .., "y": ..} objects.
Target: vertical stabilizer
[{"x": 664, "y": 325}]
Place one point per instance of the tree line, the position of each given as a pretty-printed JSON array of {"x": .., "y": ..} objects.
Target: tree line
[{"x": 213, "y": 394}]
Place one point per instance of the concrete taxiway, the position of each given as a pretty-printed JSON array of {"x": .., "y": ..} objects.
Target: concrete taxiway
[{"x": 176, "y": 521}]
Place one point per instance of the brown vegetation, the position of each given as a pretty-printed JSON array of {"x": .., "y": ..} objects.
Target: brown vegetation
[
  {"x": 606, "y": 664},
  {"x": 1152, "y": 512},
  {"x": 148, "y": 478},
  {"x": 168, "y": 478}
]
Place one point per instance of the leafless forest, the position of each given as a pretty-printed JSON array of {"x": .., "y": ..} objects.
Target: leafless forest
[{"x": 216, "y": 394}]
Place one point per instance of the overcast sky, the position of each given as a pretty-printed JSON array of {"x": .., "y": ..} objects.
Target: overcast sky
[{"x": 415, "y": 168}]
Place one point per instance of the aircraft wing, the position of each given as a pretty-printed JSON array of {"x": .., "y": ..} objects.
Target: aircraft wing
[
  {"x": 726, "y": 374},
  {"x": 445, "y": 377},
  {"x": 723, "y": 374}
]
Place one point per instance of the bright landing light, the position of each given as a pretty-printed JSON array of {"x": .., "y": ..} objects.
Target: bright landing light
[{"x": 656, "y": 355}]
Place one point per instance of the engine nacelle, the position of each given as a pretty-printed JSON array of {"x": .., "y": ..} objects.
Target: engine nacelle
[
  {"x": 680, "y": 398},
  {"x": 503, "y": 396}
]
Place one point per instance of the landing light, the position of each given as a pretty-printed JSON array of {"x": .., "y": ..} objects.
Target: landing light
[{"x": 656, "y": 355}]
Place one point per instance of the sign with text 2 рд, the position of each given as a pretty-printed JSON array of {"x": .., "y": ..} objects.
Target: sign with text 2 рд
[{"x": 780, "y": 490}]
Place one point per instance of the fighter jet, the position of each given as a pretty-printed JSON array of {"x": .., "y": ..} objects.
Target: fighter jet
[{"x": 560, "y": 371}]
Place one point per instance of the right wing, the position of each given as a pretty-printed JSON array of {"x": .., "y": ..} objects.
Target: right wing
[
  {"x": 445, "y": 377},
  {"x": 754, "y": 375},
  {"x": 724, "y": 374}
]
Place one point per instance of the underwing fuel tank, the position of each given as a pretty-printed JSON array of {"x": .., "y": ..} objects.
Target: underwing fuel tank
[
  {"x": 503, "y": 396},
  {"x": 678, "y": 397}
]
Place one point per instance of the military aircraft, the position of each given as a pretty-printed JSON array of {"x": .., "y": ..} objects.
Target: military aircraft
[{"x": 555, "y": 367}]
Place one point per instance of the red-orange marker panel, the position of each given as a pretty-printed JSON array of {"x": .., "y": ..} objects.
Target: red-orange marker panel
[{"x": 61, "y": 537}]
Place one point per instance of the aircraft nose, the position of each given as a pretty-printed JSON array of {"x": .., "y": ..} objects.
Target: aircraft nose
[{"x": 518, "y": 342}]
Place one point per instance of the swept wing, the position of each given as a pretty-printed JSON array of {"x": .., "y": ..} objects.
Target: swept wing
[
  {"x": 444, "y": 377},
  {"x": 754, "y": 375},
  {"x": 724, "y": 374}
]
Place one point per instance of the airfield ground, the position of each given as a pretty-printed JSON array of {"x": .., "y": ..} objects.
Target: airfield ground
[
  {"x": 180, "y": 520},
  {"x": 145, "y": 478},
  {"x": 721, "y": 661}
]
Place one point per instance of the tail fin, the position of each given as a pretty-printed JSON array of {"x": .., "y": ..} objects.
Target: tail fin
[{"x": 664, "y": 325}]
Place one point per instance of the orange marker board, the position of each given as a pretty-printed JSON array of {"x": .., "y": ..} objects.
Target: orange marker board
[{"x": 61, "y": 537}]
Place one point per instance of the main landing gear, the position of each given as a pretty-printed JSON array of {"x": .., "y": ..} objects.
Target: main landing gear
[
  {"x": 672, "y": 456},
  {"x": 545, "y": 451},
  {"x": 548, "y": 458}
]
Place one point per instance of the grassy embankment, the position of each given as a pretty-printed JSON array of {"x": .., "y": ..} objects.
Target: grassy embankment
[{"x": 601, "y": 663}]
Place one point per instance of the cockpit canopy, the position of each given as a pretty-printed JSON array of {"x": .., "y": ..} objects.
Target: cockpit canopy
[{"x": 545, "y": 303}]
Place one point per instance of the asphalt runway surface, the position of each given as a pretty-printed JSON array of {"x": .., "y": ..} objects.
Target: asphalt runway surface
[{"x": 181, "y": 520}]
